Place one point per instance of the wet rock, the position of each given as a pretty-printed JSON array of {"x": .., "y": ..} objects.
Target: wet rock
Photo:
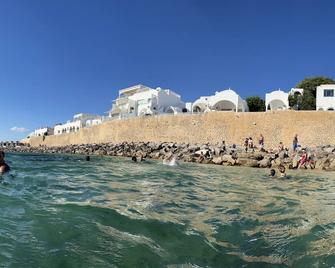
[
  {"x": 219, "y": 154},
  {"x": 229, "y": 159},
  {"x": 217, "y": 160},
  {"x": 247, "y": 162},
  {"x": 265, "y": 163},
  {"x": 329, "y": 150}
]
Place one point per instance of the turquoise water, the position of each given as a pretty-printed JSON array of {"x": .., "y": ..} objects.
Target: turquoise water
[{"x": 60, "y": 211}]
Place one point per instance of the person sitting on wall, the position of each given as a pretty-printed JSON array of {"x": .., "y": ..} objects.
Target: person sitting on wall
[{"x": 3, "y": 165}]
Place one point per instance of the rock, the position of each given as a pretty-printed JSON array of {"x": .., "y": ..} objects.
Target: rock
[
  {"x": 228, "y": 159},
  {"x": 247, "y": 162},
  {"x": 251, "y": 155},
  {"x": 329, "y": 150},
  {"x": 329, "y": 163},
  {"x": 202, "y": 152},
  {"x": 217, "y": 160},
  {"x": 282, "y": 154},
  {"x": 295, "y": 161},
  {"x": 264, "y": 163}
]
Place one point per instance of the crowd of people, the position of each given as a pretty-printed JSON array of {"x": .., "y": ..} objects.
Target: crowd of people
[{"x": 304, "y": 159}]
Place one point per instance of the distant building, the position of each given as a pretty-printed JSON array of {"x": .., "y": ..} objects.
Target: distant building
[
  {"x": 325, "y": 98},
  {"x": 141, "y": 100},
  {"x": 43, "y": 131},
  {"x": 276, "y": 100},
  {"x": 296, "y": 91},
  {"x": 79, "y": 121},
  {"x": 226, "y": 100}
]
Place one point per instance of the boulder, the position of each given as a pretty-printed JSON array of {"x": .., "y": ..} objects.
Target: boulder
[
  {"x": 265, "y": 163},
  {"x": 247, "y": 162},
  {"x": 228, "y": 159},
  {"x": 295, "y": 161},
  {"x": 202, "y": 152},
  {"x": 329, "y": 150},
  {"x": 217, "y": 160},
  {"x": 281, "y": 154}
]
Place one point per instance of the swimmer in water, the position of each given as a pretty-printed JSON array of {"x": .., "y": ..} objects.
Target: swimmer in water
[
  {"x": 87, "y": 158},
  {"x": 282, "y": 170},
  {"x": 3, "y": 165},
  {"x": 170, "y": 161},
  {"x": 272, "y": 173}
]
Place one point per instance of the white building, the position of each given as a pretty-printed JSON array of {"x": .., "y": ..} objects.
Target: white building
[
  {"x": 94, "y": 122},
  {"x": 296, "y": 91},
  {"x": 276, "y": 100},
  {"x": 79, "y": 121},
  {"x": 120, "y": 106},
  {"x": 226, "y": 100},
  {"x": 43, "y": 131},
  {"x": 325, "y": 98},
  {"x": 141, "y": 100}
]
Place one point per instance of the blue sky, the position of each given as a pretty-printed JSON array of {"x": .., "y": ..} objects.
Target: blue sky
[{"x": 58, "y": 58}]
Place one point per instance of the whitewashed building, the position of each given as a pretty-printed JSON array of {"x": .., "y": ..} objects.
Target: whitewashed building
[
  {"x": 141, "y": 100},
  {"x": 276, "y": 100},
  {"x": 43, "y": 131},
  {"x": 79, "y": 121},
  {"x": 226, "y": 100},
  {"x": 120, "y": 106},
  {"x": 296, "y": 91},
  {"x": 325, "y": 98}
]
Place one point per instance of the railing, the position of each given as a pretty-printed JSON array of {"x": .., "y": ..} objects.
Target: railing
[{"x": 129, "y": 116}]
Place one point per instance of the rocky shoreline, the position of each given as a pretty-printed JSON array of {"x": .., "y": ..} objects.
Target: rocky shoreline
[{"x": 322, "y": 157}]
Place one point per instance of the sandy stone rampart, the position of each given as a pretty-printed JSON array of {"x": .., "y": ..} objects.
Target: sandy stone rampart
[{"x": 314, "y": 128}]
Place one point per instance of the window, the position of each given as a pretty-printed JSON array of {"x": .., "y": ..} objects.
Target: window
[{"x": 328, "y": 93}]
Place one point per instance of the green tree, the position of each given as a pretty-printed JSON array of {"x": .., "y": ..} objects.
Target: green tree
[
  {"x": 308, "y": 100},
  {"x": 256, "y": 104},
  {"x": 295, "y": 101}
]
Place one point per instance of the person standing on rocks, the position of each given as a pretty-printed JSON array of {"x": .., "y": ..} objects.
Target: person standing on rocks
[
  {"x": 280, "y": 147},
  {"x": 295, "y": 142},
  {"x": 251, "y": 144},
  {"x": 261, "y": 141},
  {"x": 246, "y": 144}
]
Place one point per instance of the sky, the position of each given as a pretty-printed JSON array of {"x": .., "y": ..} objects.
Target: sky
[{"x": 61, "y": 57}]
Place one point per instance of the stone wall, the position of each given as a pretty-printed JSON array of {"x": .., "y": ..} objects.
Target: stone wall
[{"x": 313, "y": 127}]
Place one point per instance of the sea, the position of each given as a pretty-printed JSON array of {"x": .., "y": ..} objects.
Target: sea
[{"x": 63, "y": 211}]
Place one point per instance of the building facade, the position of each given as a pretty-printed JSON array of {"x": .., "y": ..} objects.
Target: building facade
[
  {"x": 276, "y": 100},
  {"x": 226, "y": 100},
  {"x": 325, "y": 98},
  {"x": 79, "y": 121},
  {"x": 43, "y": 131},
  {"x": 141, "y": 100}
]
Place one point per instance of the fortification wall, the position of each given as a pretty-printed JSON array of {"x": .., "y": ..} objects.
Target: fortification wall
[{"x": 313, "y": 127}]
